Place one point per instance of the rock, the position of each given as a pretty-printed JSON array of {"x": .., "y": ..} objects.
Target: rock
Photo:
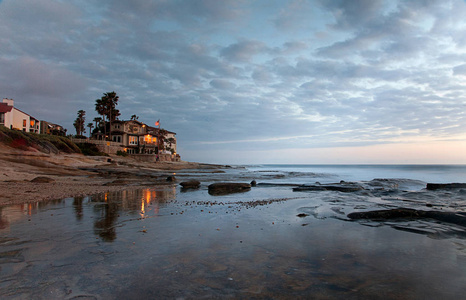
[
  {"x": 253, "y": 183},
  {"x": 171, "y": 178},
  {"x": 224, "y": 188},
  {"x": 116, "y": 182},
  {"x": 458, "y": 218},
  {"x": 191, "y": 184},
  {"x": 345, "y": 187},
  {"x": 438, "y": 186},
  {"x": 43, "y": 179}
]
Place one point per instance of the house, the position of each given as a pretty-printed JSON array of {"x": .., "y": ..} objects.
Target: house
[
  {"x": 136, "y": 137},
  {"x": 14, "y": 118},
  {"x": 51, "y": 128}
]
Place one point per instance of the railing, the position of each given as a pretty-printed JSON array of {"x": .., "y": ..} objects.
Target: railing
[{"x": 95, "y": 142}]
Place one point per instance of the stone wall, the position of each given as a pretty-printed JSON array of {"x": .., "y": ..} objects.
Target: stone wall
[{"x": 103, "y": 146}]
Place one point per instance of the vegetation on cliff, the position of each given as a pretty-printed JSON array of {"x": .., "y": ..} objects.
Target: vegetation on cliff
[{"x": 42, "y": 142}]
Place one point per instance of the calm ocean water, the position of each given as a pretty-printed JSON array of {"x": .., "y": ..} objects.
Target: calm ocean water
[{"x": 335, "y": 173}]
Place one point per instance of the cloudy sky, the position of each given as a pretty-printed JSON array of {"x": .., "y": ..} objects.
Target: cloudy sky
[{"x": 318, "y": 81}]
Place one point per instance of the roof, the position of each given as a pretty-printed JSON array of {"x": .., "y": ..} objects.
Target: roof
[
  {"x": 155, "y": 129},
  {"x": 4, "y": 108}
]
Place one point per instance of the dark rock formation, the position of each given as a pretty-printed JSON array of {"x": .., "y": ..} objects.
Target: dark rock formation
[
  {"x": 438, "y": 186},
  {"x": 253, "y": 183},
  {"x": 345, "y": 187},
  {"x": 43, "y": 179},
  {"x": 191, "y": 184},
  {"x": 458, "y": 218},
  {"x": 171, "y": 178},
  {"x": 224, "y": 188},
  {"x": 116, "y": 182}
]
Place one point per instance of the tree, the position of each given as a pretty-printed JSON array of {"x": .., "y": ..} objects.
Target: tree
[
  {"x": 79, "y": 122},
  {"x": 97, "y": 121},
  {"x": 106, "y": 107},
  {"x": 161, "y": 134},
  {"x": 90, "y": 125},
  {"x": 134, "y": 118}
]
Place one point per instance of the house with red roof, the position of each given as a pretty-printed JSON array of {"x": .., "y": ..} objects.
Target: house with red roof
[{"x": 14, "y": 118}]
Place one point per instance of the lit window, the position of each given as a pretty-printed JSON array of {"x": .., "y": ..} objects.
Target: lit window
[{"x": 133, "y": 140}]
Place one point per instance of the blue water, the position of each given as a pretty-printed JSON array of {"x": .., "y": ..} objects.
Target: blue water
[{"x": 335, "y": 173}]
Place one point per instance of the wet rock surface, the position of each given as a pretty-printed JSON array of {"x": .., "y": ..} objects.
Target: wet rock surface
[
  {"x": 458, "y": 218},
  {"x": 225, "y": 188},
  {"x": 438, "y": 186},
  {"x": 43, "y": 179},
  {"x": 345, "y": 187},
  {"x": 191, "y": 184}
]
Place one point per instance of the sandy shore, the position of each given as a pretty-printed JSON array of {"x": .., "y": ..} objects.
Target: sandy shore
[{"x": 69, "y": 175}]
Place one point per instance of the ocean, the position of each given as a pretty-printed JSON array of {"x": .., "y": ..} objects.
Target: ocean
[{"x": 334, "y": 173}]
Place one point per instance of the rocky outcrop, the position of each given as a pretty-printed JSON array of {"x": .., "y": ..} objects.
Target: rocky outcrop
[
  {"x": 458, "y": 218},
  {"x": 225, "y": 188},
  {"x": 441, "y": 186},
  {"x": 43, "y": 179},
  {"x": 171, "y": 179},
  {"x": 191, "y": 184},
  {"x": 346, "y": 187}
]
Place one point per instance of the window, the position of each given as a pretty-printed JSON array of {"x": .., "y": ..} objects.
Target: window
[
  {"x": 133, "y": 140},
  {"x": 2, "y": 118},
  {"x": 24, "y": 122}
]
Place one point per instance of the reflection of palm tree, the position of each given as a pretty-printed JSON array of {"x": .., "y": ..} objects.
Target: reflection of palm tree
[
  {"x": 105, "y": 227},
  {"x": 78, "y": 207}
]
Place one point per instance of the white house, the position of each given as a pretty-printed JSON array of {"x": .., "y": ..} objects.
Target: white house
[{"x": 14, "y": 118}]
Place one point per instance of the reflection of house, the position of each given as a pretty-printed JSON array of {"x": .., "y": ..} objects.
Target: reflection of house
[{"x": 14, "y": 118}]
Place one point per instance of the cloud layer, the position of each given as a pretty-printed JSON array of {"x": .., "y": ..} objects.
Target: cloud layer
[{"x": 245, "y": 75}]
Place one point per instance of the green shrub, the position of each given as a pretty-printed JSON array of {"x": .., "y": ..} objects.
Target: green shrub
[
  {"x": 90, "y": 149},
  {"x": 121, "y": 153}
]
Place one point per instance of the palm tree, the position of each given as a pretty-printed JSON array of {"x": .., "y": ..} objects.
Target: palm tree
[
  {"x": 106, "y": 107},
  {"x": 161, "y": 134},
  {"x": 97, "y": 121},
  {"x": 90, "y": 125},
  {"x": 79, "y": 122},
  {"x": 134, "y": 117}
]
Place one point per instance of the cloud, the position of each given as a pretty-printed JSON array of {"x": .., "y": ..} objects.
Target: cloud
[
  {"x": 243, "y": 51},
  {"x": 286, "y": 75}
]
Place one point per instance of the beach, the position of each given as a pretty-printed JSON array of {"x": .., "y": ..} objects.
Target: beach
[
  {"x": 69, "y": 175},
  {"x": 123, "y": 229}
]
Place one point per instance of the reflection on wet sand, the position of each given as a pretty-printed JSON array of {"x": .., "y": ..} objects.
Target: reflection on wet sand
[
  {"x": 157, "y": 243},
  {"x": 108, "y": 207}
]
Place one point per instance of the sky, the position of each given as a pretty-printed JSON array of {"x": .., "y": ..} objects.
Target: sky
[{"x": 252, "y": 82}]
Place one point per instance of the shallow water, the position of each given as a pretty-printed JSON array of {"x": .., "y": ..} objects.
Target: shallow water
[{"x": 165, "y": 243}]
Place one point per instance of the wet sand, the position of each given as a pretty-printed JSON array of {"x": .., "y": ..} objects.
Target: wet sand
[{"x": 269, "y": 243}]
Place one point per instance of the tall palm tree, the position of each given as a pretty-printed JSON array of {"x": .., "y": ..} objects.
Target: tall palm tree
[
  {"x": 79, "y": 122},
  {"x": 97, "y": 121},
  {"x": 90, "y": 125},
  {"x": 106, "y": 107}
]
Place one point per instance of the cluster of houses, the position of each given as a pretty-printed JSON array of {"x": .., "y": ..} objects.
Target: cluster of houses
[
  {"x": 132, "y": 137},
  {"x": 13, "y": 118}
]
